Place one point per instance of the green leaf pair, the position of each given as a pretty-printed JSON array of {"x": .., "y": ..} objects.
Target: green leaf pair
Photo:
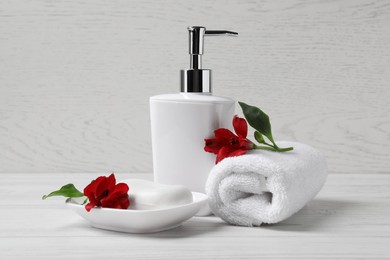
[{"x": 260, "y": 121}]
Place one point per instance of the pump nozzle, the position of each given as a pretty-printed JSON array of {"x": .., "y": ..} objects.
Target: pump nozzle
[
  {"x": 196, "y": 43},
  {"x": 197, "y": 79}
]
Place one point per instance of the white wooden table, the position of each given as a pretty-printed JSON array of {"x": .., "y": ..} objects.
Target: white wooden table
[{"x": 348, "y": 219}]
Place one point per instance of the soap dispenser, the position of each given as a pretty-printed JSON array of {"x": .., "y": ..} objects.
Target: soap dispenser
[{"x": 180, "y": 122}]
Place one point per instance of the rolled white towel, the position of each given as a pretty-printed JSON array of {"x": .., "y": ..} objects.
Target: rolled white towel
[{"x": 265, "y": 186}]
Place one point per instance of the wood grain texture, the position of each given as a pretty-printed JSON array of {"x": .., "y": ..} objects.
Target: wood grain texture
[
  {"x": 349, "y": 219},
  {"x": 75, "y": 77}
]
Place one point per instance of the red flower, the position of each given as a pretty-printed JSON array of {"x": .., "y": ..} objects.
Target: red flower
[
  {"x": 227, "y": 144},
  {"x": 104, "y": 192}
]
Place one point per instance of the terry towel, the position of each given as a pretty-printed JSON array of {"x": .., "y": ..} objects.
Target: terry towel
[{"x": 265, "y": 186}]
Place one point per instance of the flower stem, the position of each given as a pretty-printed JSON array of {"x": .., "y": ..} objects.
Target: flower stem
[
  {"x": 272, "y": 148},
  {"x": 270, "y": 145},
  {"x": 264, "y": 148},
  {"x": 285, "y": 149}
]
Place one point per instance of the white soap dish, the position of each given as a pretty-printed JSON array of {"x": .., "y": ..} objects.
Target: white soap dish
[{"x": 140, "y": 221}]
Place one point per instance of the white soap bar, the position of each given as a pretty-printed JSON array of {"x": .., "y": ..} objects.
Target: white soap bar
[{"x": 147, "y": 195}]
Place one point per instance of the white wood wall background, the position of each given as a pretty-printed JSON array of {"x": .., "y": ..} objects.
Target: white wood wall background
[{"x": 75, "y": 77}]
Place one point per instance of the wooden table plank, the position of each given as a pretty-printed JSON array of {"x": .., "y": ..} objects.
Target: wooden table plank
[{"x": 348, "y": 219}]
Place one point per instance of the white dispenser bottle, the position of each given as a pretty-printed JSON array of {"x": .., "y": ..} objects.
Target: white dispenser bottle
[{"x": 180, "y": 122}]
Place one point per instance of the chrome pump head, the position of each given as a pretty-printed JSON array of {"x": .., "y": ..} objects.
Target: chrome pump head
[{"x": 197, "y": 79}]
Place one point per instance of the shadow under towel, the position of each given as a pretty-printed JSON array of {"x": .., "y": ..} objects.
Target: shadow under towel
[{"x": 265, "y": 186}]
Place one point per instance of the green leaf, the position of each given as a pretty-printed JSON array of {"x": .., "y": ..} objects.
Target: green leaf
[
  {"x": 68, "y": 190},
  {"x": 259, "y": 138},
  {"x": 258, "y": 120}
]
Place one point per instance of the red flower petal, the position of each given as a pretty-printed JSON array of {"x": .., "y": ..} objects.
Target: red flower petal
[
  {"x": 91, "y": 188},
  {"x": 240, "y": 126},
  {"x": 101, "y": 190},
  {"x": 119, "y": 203},
  {"x": 89, "y": 206},
  {"x": 117, "y": 199},
  {"x": 111, "y": 181},
  {"x": 245, "y": 143},
  {"x": 237, "y": 152},
  {"x": 224, "y": 135},
  {"x": 222, "y": 154},
  {"x": 212, "y": 145},
  {"x": 121, "y": 187}
]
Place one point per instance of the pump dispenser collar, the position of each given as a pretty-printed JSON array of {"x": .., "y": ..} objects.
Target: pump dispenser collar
[{"x": 197, "y": 79}]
